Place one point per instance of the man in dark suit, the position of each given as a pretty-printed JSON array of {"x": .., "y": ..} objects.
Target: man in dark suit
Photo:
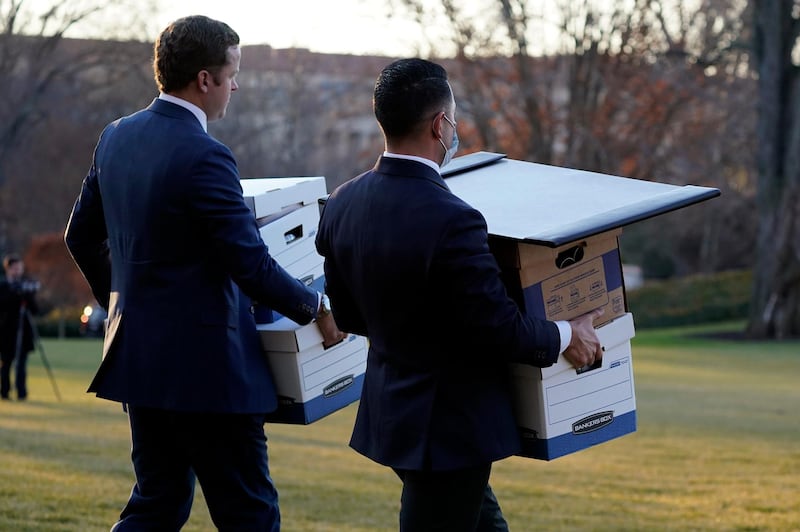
[
  {"x": 408, "y": 264},
  {"x": 163, "y": 236}
]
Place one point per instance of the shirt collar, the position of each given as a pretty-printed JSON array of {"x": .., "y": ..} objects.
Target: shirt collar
[
  {"x": 414, "y": 158},
  {"x": 196, "y": 111}
]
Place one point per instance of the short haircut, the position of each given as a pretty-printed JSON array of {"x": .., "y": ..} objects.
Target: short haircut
[
  {"x": 189, "y": 45},
  {"x": 408, "y": 92},
  {"x": 10, "y": 260}
]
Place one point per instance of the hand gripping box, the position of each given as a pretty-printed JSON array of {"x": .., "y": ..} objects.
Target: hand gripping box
[
  {"x": 311, "y": 381},
  {"x": 561, "y": 409}
]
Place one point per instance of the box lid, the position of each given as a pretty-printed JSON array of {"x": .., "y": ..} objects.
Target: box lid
[
  {"x": 471, "y": 162},
  {"x": 269, "y": 195},
  {"x": 552, "y": 206}
]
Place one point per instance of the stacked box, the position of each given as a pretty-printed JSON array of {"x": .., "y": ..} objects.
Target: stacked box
[
  {"x": 562, "y": 409},
  {"x": 267, "y": 196},
  {"x": 310, "y": 380},
  {"x": 554, "y": 232},
  {"x": 287, "y": 213}
]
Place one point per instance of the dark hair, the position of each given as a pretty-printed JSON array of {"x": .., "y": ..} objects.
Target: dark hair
[
  {"x": 407, "y": 92},
  {"x": 189, "y": 45},
  {"x": 10, "y": 260}
]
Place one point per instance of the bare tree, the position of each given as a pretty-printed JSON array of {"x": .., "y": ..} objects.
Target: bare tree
[
  {"x": 651, "y": 89},
  {"x": 34, "y": 61},
  {"x": 775, "y": 305},
  {"x": 300, "y": 114},
  {"x": 48, "y": 75}
]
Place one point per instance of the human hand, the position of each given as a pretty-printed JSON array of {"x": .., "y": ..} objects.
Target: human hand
[
  {"x": 331, "y": 335},
  {"x": 584, "y": 348}
]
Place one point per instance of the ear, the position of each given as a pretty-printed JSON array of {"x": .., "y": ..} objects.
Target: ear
[
  {"x": 436, "y": 125},
  {"x": 203, "y": 79}
]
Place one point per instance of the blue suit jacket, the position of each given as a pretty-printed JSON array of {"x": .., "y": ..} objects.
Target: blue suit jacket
[
  {"x": 408, "y": 264},
  {"x": 163, "y": 236}
]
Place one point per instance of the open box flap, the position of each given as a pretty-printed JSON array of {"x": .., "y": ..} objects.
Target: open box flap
[{"x": 552, "y": 206}]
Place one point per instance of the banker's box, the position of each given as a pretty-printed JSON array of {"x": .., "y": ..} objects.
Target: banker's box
[
  {"x": 287, "y": 213},
  {"x": 560, "y": 409},
  {"x": 310, "y": 380},
  {"x": 289, "y": 235},
  {"x": 290, "y": 239},
  {"x": 554, "y": 232},
  {"x": 564, "y": 282}
]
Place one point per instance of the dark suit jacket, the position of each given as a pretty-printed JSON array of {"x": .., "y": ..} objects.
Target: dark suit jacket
[
  {"x": 11, "y": 300},
  {"x": 408, "y": 264},
  {"x": 163, "y": 236}
]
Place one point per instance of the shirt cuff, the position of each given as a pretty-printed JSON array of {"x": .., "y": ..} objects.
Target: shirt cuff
[{"x": 565, "y": 331}]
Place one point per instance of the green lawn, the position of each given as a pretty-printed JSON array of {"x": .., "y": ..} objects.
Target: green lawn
[{"x": 716, "y": 449}]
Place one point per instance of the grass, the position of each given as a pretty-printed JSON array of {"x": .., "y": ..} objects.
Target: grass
[{"x": 716, "y": 449}]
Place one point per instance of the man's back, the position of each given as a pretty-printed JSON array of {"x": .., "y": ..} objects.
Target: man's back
[
  {"x": 174, "y": 320},
  {"x": 163, "y": 235},
  {"x": 408, "y": 264}
]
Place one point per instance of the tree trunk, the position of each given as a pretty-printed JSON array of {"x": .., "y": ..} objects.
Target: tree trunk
[{"x": 775, "y": 304}]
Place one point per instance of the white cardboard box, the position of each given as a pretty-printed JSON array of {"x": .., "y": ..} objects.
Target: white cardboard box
[
  {"x": 309, "y": 269},
  {"x": 301, "y": 259},
  {"x": 287, "y": 336},
  {"x": 284, "y": 235},
  {"x": 311, "y": 381},
  {"x": 561, "y": 409},
  {"x": 268, "y": 195},
  {"x": 289, "y": 235}
]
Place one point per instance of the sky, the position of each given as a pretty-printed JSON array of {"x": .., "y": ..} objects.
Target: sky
[{"x": 329, "y": 26}]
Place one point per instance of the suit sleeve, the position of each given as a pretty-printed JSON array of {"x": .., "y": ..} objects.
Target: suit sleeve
[
  {"x": 474, "y": 298},
  {"x": 86, "y": 237},
  {"x": 345, "y": 311},
  {"x": 215, "y": 195}
]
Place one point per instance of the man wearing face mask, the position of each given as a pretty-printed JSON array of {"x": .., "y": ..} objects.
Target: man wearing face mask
[{"x": 408, "y": 265}]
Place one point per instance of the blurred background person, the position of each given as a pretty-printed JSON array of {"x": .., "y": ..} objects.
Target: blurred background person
[{"x": 17, "y": 304}]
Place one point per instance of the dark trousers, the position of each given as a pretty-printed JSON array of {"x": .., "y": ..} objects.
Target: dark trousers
[
  {"x": 7, "y": 360},
  {"x": 226, "y": 453},
  {"x": 449, "y": 501},
  {"x": 491, "y": 518}
]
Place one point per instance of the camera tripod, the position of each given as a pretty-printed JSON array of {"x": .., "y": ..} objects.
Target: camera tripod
[{"x": 25, "y": 317}]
